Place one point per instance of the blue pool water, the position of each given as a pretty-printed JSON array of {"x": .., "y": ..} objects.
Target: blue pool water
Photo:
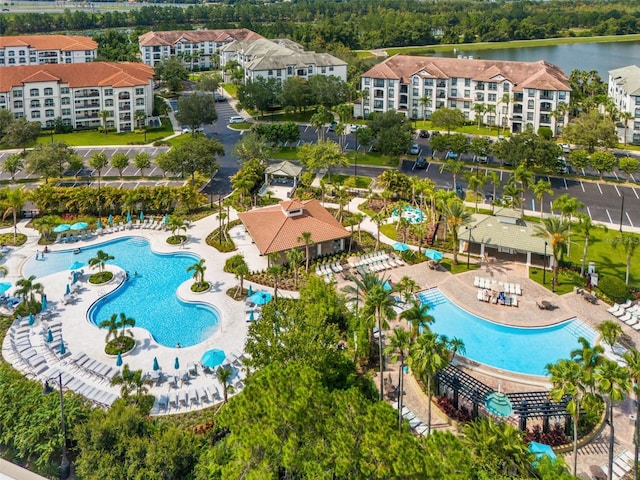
[
  {"x": 148, "y": 297},
  {"x": 522, "y": 350}
]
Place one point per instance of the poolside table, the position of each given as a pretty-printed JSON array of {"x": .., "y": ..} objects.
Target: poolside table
[{"x": 546, "y": 304}]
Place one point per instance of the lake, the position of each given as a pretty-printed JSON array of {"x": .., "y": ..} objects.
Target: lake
[{"x": 583, "y": 56}]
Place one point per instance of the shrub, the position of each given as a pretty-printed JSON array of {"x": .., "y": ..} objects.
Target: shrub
[
  {"x": 554, "y": 437},
  {"x": 121, "y": 344},
  {"x": 176, "y": 239},
  {"x": 198, "y": 287},
  {"x": 100, "y": 277},
  {"x": 614, "y": 288}
]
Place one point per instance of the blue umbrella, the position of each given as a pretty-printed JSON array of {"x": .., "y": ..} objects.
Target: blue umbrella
[
  {"x": 99, "y": 225},
  {"x": 156, "y": 365},
  {"x": 44, "y": 302},
  {"x": 400, "y": 247},
  {"x": 434, "y": 254},
  {"x": 251, "y": 316},
  {"x": 76, "y": 265},
  {"x": 79, "y": 226},
  {"x": 63, "y": 349},
  {"x": 166, "y": 218},
  {"x": 32, "y": 319},
  {"x": 540, "y": 449},
  {"x": 261, "y": 298},
  {"x": 250, "y": 291},
  {"x": 4, "y": 286},
  {"x": 49, "y": 336},
  {"x": 68, "y": 290},
  {"x": 212, "y": 358},
  {"x": 119, "y": 360},
  {"x": 110, "y": 220},
  {"x": 63, "y": 227},
  {"x": 387, "y": 286},
  {"x": 141, "y": 215},
  {"x": 128, "y": 217},
  {"x": 176, "y": 364}
]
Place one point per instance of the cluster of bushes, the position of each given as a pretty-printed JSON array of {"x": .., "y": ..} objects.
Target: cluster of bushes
[
  {"x": 460, "y": 414},
  {"x": 554, "y": 437}
]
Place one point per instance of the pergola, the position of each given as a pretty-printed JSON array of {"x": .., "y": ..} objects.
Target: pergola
[{"x": 283, "y": 169}]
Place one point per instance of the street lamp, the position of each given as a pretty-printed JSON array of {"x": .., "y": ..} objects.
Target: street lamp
[
  {"x": 469, "y": 246},
  {"x": 544, "y": 265},
  {"x": 621, "y": 211},
  {"x": 65, "y": 465}
]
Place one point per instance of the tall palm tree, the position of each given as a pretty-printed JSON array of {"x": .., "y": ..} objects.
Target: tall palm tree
[
  {"x": 610, "y": 332},
  {"x": 378, "y": 218},
  {"x": 305, "y": 237},
  {"x": 125, "y": 322},
  {"x": 12, "y": 205},
  {"x": 125, "y": 380},
  {"x": 275, "y": 270},
  {"x": 475, "y": 183},
  {"x": 629, "y": 242},
  {"x": 632, "y": 359},
  {"x": 418, "y": 317},
  {"x": 98, "y": 161},
  {"x": 198, "y": 270},
  {"x": 585, "y": 225},
  {"x": 554, "y": 230},
  {"x": 27, "y": 288},
  {"x": 540, "y": 189},
  {"x": 398, "y": 348},
  {"x": 175, "y": 224},
  {"x": 456, "y": 167},
  {"x": 100, "y": 260},
  {"x": 224, "y": 376},
  {"x": 427, "y": 355},
  {"x": 568, "y": 206},
  {"x": 524, "y": 177},
  {"x": 406, "y": 286},
  {"x": 456, "y": 345},
  {"x": 380, "y": 305},
  {"x": 112, "y": 325},
  {"x": 425, "y": 102},
  {"x": 294, "y": 257},
  {"x": 494, "y": 179},
  {"x": 626, "y": 117},
  {"x": 589, "y": 357},
  {"x": 511, "y": 195},
  {"x": 612, "y": 381},
  {"x": 568, "y": 381},
  {"x": 479, "y": 109},
  {"x": 457, "y": 217},
  {"x": 104, "y": 115}
]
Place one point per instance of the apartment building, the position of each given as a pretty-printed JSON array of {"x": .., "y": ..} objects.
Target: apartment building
[
  {"x": 281, "y": 59},
  {"x": 44, "y": 49},
  {"x": 77, "y": 93},
  {"x": 515, "y": 95},
  {"x": 197, "y": 48},
  {"x": 624, "y": 90}
]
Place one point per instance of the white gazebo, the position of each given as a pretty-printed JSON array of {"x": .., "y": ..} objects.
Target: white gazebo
[{"x": 283, "y": 169}]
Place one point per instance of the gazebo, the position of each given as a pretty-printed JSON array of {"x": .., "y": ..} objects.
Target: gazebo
[{"x": 283, "y": 169}]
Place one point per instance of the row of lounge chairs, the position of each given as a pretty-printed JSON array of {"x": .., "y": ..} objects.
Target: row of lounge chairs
[
  {"x": 628, "y": 313},
  {"x": 499, "y": 298},
  {"x": 73, "y": 237},
  {"x": 384, "y": 261},
  {"x": 97, "y": 395},
  {"x": 328, "y": 269},
  {"x": 101, "y": 371},
  {"x": 417, "y": 425},
  {"x": 506, "y": 287}
]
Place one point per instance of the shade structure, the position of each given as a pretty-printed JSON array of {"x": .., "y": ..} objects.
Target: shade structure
[
  {"x": 99, "y": 224},
  {"x": 67, "y": 290},
  {"x": 252, "y": 317},
  {"x": 32, "y": 319},
  {"x": 128, "y": 217},
  {"x": 79, "y": 226},
  {"x": 250, "y": 291},
  {"x": 498, "y": 404},
  {"x": 141, "y": 215},
  {"x": 176, "y": 364},
  {"x": 110, "y": 219},
  {"x": 400, "y": 247},
  {"x": 540, "y": 449},
  {"x": 434, "y": 254},
  {"x": 63, "y": 227},
  {"x": 261, "y": 298},
  {"x": 212, "y": 358},
  {"x": 387, "y": 286},
  {"x": 44, "y": 302},
  {"x": 165, "y": 220},
  {"x": 156, "y": 365},
  {"x": 4, "y": 286},
  {"x": 119, "y": 360},
  {"x": 62, "y": 349},
  {"x": 49, "y": 336},
  {"x": 76, "y": 265}
]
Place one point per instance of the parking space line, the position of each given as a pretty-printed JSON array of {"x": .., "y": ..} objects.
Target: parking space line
[
  {"x": 428, "y": 165},
  {"x": 632, "y": 177},
  {"x": 599, "y": 188},
  {"x": 617, "y": 191},
  {"x": 533, "y": 204},
  {"x": 635, "y": 193},
  {"x": 566, "y": 187},
  {"x": 616, "y": 175},
  {"x": 583, "y": 172},
  {"x": 629, "y": 218},
  {"x": 346, "y": 146},
  {"x": 610, "y": 221},
  {"x": 582, "y": 186}
]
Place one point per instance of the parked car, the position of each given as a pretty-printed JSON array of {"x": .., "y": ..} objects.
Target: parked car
[
  {"x": 332, "y": 126},
  {"x": 434, "y": 133},
  {"x": 421, "y": 162},
  {"x": 423, "y": 134},
  {"x": 218, "y": 97},
  {"x": 566, "y": 148},
  {"x": 561, "y": 166},
  {"x": 459, "y": 191},
  {"x": 355, "y": 127},
  {"x": 236, "y": 119},
  {"x": 188, "y": 130},
  {"x": 415, "y": 149},
  {"x": 451, "y": 155},
  {"x": 481, "y": 158}
]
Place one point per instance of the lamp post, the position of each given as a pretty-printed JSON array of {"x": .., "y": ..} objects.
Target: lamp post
[
  {"x": 65, "y": 465},
  {"x": 544, "y": 265},
  {"x": 621, "y": 211},
  {"x": 469, "y": 246}
]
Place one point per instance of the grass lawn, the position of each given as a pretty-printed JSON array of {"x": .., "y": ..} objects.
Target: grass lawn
[
  {"x": 468, "y": 129},
  {"x": 93, "y": 137},
  {"x": 285, "y": 153},
  {"x": 372, "y": 158},
  {"x": 231, "y": 89},
  {"x": 361, "y": 182},
  {"x": 286, "y": 117},
  {"x": 566, "y": 279},
  {"x": 461, "y": 267},
  {"x": 241, "y": 125},
  {"x": 389, "y": 230},
  {"x": 179, "y": 140}
]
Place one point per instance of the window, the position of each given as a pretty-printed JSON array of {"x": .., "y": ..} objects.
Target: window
[
  {"x": 139, "y": 101},
  {"x": 35, "y": 114},
  {"x": 139, "y": 91},
  {"x": 64, "y": 90},
  {"x": 310, "y": 69},
  {"x": 17, "y": 104},
  {"x": 17, "y": 93},
  {"x": 415, "y": 92},
  {"x": 23, "y": 60},
  {"x": 467, "y": 105},
  {"x": 65, "y": 100},
  {"x": 563, "y": 96},
  {"x": 270, "y": 72},
  {"x": 290, "y": 72},
  {"x": 34, "y": 92},
  {"x": 467, "y": 93},
  {"x": 505, "y": 110},
  {"x": 48, "y": 102},
  {"x": 12, "y": 53},
  {"x": 108, "y": 102},
  {"x": 12, "y": 61},
  {"x": 377, "y": 104},
  {"x": 22, "y": 53},
  {"x": 35, "y": 104},
  {"x": 378, "y": 82},
  {"x": 454, "y": 80},
  {"x": 391, "y": 93},
  {"x": 390, "y": 104},
  {"x": 479, "y": 97},
  {"x": 331, "y": 69},
  {"x": 453, "y": 104},
  {"x": 505, "y": 87},
  {"x": 414, "y": 102},
  {"x": 529, "y": 115},
  {"x": 49, "y": 113},
  {"x": 108, "y": 92},
  {"x": 493, "y": 86},
  {"x": 530, "y": 104},
  {"x": 531, "y": 92},
  {"x": 467, "y": 82},
  {"x": 415, "y": 81},
  {"x": 367, "y": 80},
  {"x": 66, "y": 111},
  {"x": 491, "y": 97},
  {"x": 279, "y": 73},
  {"x": 322, "y": 70},
  {"x": 428, "y": 82},
  {"x": 48, "y": 92}
]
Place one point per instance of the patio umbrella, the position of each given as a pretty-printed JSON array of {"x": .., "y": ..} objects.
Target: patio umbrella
[
  {"x": 400, "y": 247},
  {"x": 63, "y": 227},
  {"x": 79, "y": 226},
  {"x": 68, "y": 290},
  {"x": 32, "y": 319},
  {"x": 44, "y": 302},
  {"x": 141, "y": 215},
  {"x": 251, "y": 316},
  {"x": 387, "y": 286},
  {"x": 212, "y": 358},
  {"x": 166, "y": 218},
  {"x": 49, "y": 336},
  {"x": 261, "y": 298},
  {"x": 434, "y": 254},
  {"x": 156, "y": 366},
  {"x": 128, "y": 217},
  {"x": 4, "y": 286},
  {"x": 99, "y": 225},
  {"x": 540, "y": 449},
  {"x": 176, "y": 364},
  {"x": 110, "y": 219},
  {"x": 119, "y": 360},
  {"x": 250, "y": 291},
  {"x": 76, "y": 265},
  {"x": 63, "y": 349}
]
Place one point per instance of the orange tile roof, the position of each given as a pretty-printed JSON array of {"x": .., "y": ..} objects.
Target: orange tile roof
[
  {"x": 273, "y": 231},
  {"x": 50, "y": 42},
  {"x": 539, "y": 75},
  {"x": 77, "y": 75},
  {"x": 169, "y": 38}
]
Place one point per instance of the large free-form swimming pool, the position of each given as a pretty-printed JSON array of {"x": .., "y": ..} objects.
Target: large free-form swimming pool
[
  {"x": 521, "y": 350},
  {"x": 149, "y": 296}
]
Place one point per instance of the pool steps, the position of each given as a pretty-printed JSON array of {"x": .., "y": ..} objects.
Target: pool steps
[
  {"x": 581, "y": 329},
  {"x": 432, "y": 297}
]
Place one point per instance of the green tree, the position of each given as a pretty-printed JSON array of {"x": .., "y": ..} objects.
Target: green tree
[
  {"x": 455, "y": 166},
  {"x": 198, "y": 154},
  {"x": 48, "y": 160},
  {"x": 120, "y": 161},
  {"x": 13, "y": 164},
  {"x": 524, "y": 177},
  {"x": 305, "y": 238},
  {"x": 196, "y": 110},
  {"x": 323, "y": 155},
  {"x": 398, "y": 348},
  {"x": 540, "y": 189},
  {"x": 328, "y": 90},
  {"x": 104, "y": 117},
  {"x": 198, "y": 270},
  {"x": 629, "y": 242},
  {"x": 20, "y": 133},
  {"x": 142, "y": 160},
  {"x": 555, "y": 231},
  {"x": 209, "y": 82},
  {"x": 259, "y": 94},
  {"x": 131, "y": 381},
  {"x": 603, "y": 162},
  {"x": 100, "y": 260},
  {"x": 392, "y": 132},
  {"x": 98, "y": 161},
  {"x": 628, "y": 165},
  {"x": 171, "y": 72},
  {"x": 456, "y": 217},
  {"x": 585, "y": 225},
  {"x": 296, "y": 93},
  {"x": 632, "y": 360},
  {"x": 579, "y": 158},
  {"x": 447, "y": 118},
  {"x": 223, "y": 375},
  {"x": 591, "y": 130},
  {"x": 112, "y": 325},
  {"x": 12, "y": 202},
  {"x": 294, "y": 257},
  {"x": 27, "y": 288},
  {"x": 417, "y": 315}
]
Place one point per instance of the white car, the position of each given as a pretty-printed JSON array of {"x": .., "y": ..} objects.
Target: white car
[
  {"x": 566, "y": 148},
  {"x": 188, "y": 130}
]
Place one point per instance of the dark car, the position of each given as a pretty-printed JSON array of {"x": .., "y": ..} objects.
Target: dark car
[
  {"x": 219, "y": 97},
  {"x": 332, "y": 126},
  {"x": 434, "y": 133},
  {"x": 423, "y": 134},
  {"x": 421, "y": 162}
]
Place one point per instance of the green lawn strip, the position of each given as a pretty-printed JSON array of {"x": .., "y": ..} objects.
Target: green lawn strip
[
  {"x": 373, "y": 159},
  {"x": 179, "y": 140},
  {"x": 241, "y": 125},
  {"x": 231, "y": 89},
  {"x": 389, "y": 230},
  {"x": 566, "y": 279},
  {"x": 461, "y": 267},
  {"x": 361, "y": 182},
  {"x": 93, "y": 137},
  {"x": 282, "y": 116}
]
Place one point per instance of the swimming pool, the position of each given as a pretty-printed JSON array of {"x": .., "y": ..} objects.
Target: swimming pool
[
  {"x": 521, "y": 350},
  {"x": 148, "y": 297}
]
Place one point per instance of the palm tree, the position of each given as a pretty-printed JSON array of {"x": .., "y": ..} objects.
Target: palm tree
[
  {"x": 224, "y": 376},
  {"x": 294, "y": 257},
  {"x": 554, "y": 230},
  {"x": 632, "y": 358},
  {"x": 540, "y": 188},
  {"x": 104, "y": 115},
  {"x": 305, "y": 237},
  {"x": 589, "y": 357},
  {"x": 493, "y": 178},
  {"x": 610, "y": 332},
  {"x": 626, "y": 117},
  {"x": 398, "y": 348},
  {"x": 379, "y": 303},
  {"x": 524, "y": 177},
  {"x": 198, "y": 270},
  {"x": 612, "y": 380},
  {"x": 27, "y": 288},
  {"x": 475, "y": 184},
  {"x": 427, "y": 355},
  {"x": 124, "y": 379},
  {"x": 418, "y": 317},
  {"x": 275, "y": 270},
  {"x": 457, "y": 217},
  {"x": 100, "y": 260},
  {"x": 378, "y": 218},
  {"x": 407, "y": 286},
  {"x": 112, "y": 325},
  {"x": 454, "y": 166},
  {"x": 568, "y": 381},
  {"x": 125, "y": 322},
  {"x": 512, "y": 191},
  {"x": 568, "y": 207},
  {"x": 585, "y": 225},
  {"x": 240, "y": 270},
  {"x": 629, "y": 242},
  {"x": 12, "y": 204},
  {"x": 425, "y": 102},
  {"x": 479, "y": 109},
  {"x": 98, "y": 161},
  {"x": 491, "y": 109},
  {"x": 456, "y": 345},
  {"x": 175, "y": 224}
]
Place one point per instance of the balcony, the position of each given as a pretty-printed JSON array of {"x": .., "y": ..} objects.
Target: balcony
[
  {"x": 124, "y": 107},
  {"x": 87, "y": 116},
  {"x": 545, "y": 119},
  {"x": 441, "y": 84},
  {"x": 87, "y": 104},
  {"x": 87, "y": 94},
  {"x": 404, "y": 89},
  {"x": 517, "y": 97},
  {"x": 125, "y": 117},
  {"x": 124, "y": 96},
  {"x": 479, "y": 86},
  {"x": 546, "y": 96}
]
